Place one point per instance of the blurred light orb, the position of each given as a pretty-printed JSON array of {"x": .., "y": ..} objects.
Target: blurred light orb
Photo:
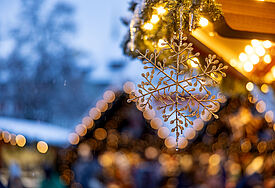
[
  {"x": 149, "y": 114},
  {"x": 249, "y": 86},
  {"x": 255, "y": 43},
  {"x": 248, "y": 49},
  {"x": 206, "y": 116},
  {"x": 214, "y": 159},
  {"x": 109, "y": 96},
  {"x": 260, "y": 51},
  {"x": 264, "y": 88},
  {"x": 151, "y": 153},
  {"x": 42, "y": 147},
  {"x": 248, "y": 67},
  {"x": 106, "y": 159},
  {"x": 170, "y": 142},
  {"x": 73, "y": 138},
  {"x": 246, "y": 146},
  {"x": 148, "y": 26},
  {"x": 154, "y": 19},
  {"x": 163, "y": 132},
  {"x": 255, "y": 165},
  {"x": 267, "y": 44},
  {"x": 84, "y": 150},
  {"x": 269, "y": 116},
  {"x": 95, "y": 113},
  {"x": 221, "y": 97},
  {"x": 102, "y": 105},
  {"x": 203, "y": 22},
  {"x": 198, "y": 124},
  {"x": 186, "y": 162},
  {"x": 88, "y": 122},
  {"x": 6, "y": 136},
  {"x": 100, "y": 134},
  {"x": 161, "y": 10},
  {"x": 262, "y": 146},
  {"x": 243, "y": 57},
  {"x": 129, "y": 87},
  {"x": 261, "y": 106},
  {"x": 13, "y": 141},
  {"x": 20, "y": 140},
  {"x": 81, "y": 129},
  {"x": 215, "y": 107},
  {"x": 234, "y": 168},
  {"x": 254, "y": 59},
  {"x": 267, "y": 59},
  {"x": 156, "y": 123},
  {"x": 189, "y": 133},
  {"x": 213, "y": 169},
  {"x": 182, "y": 142}
]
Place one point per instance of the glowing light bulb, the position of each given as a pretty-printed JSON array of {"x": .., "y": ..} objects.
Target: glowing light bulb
[
  {"x": 148, "y": 26},
  {"x": 264, "y": 88},
  {"x": 248, "y": 67},
  {"x": 243, "y": 57},
  {"x": 42, "y": 147},
  {"x": 248, "y": 49},
  {"x": 254, "y": 59},
  {"x": 267, "y": 59},
  {"x": 154, "y": 19},
  {"x": 267, "y": 44},
  {"x": 255, "y": 43},
  {"x": 260, "y": 50},
  {"x": 161, "y": 10},
  {"x": 203, "y": 22},
  {"x": 249, "y": 86}
]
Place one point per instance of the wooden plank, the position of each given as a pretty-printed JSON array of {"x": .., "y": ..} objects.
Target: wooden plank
[{"x": 248, "y": 15}]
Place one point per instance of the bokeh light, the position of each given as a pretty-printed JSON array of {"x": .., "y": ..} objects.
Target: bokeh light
[
  {"x": 42, "y": 147},
  {"x": 100, "y": 134},
  {"x": 20, "y": 140}
]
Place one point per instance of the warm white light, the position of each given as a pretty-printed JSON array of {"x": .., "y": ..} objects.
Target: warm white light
[
  {"x": 42, "y": 147},
  {"x": 267, "y": 44},
  {"x": 203, "y": 22},
  {"x": 195, "y": 62},
  {"x": 267, "y": 58},
  {"x": 161, "y": 43},
  {"x": 273, "y": 71},
  {"x": 255, "y": 43},
  {"x": 148, "y": 26},
  {"x": 248, "y": 49},
  {"x": 243, "y": 57},
  {"x": 264, "y": 88},
  {"x": 261, "y": 106},
  {"x": 154, "y": 19},
  {"x": 249, "y": 86},
  {"x": 161, "y": 10},
  {"x": 260, "y": 51},
  {"x": 254, "y": 59},
  {"x": 248, "y": 67}
]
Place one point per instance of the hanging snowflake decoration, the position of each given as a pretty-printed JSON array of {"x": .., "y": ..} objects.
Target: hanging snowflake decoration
[{"x": 179, "y": 92}]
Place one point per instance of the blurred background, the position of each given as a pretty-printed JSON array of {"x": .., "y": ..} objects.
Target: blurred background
[{"x": 66, "y": 72}]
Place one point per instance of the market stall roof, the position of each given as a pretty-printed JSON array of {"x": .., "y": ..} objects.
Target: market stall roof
[{"x": 35, "y": 130}]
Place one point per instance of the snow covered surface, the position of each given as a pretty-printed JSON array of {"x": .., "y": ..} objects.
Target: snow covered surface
[{"x": 35, "y": 130}]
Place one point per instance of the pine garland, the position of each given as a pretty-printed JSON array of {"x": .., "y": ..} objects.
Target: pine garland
[{"x": 168, "y": 25}]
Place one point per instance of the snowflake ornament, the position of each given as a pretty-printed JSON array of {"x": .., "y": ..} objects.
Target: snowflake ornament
[{"x": 179, "y": 92}]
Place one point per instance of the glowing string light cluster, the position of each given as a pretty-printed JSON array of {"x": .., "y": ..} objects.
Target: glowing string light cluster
[{"x": 88, "y": 121}]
